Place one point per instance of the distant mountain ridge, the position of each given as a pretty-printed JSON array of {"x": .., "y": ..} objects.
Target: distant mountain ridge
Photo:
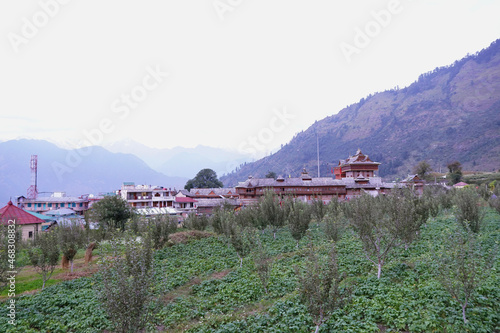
[
  {"x": 76, "y": 172},
  {"x": 180, "y": 161},
  {"x": 451, "y": 113}
]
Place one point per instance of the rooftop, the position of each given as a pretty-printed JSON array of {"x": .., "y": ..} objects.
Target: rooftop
[{"x": 11, "y": 212}]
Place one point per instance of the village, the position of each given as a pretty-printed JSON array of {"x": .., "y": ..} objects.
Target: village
[{"x": 352, "y": 177}]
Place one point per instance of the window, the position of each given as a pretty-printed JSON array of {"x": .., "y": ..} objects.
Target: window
[
  {"x": 29, "y": 205},
  {"x": 62, "y": 205},
  {"x": 50, "y": 205},
  {"x": 30, "y": 234},
  {"x": 81, "y": 205},
  {"x": 39, "y": 205}
]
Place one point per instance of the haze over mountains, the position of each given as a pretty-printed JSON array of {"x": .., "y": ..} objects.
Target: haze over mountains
[
  {"x": 451, "y": 113},
  {"x": 99, "y": 170},
  {"x": 76, "y": 172},
  {"x": 180, "y": 161}
]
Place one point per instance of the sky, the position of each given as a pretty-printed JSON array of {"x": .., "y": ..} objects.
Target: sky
[{"x": 235, "y": 74}]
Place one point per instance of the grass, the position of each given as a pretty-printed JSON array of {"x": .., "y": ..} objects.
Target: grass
[{"x": 29, "y": 281}]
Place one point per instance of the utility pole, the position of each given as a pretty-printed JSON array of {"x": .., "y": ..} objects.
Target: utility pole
[{"x": 317, "y": 149}]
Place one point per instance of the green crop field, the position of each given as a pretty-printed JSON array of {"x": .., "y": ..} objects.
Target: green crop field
[{"x": 200, "y": 287}]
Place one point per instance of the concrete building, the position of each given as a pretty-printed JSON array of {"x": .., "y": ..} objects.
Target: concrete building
[
  {"x": 147, "y": 196},
  {"x": 57, "y": 200}
]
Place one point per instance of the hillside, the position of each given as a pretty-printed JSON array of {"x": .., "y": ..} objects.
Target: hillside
[
  {"x": 451, "y": 113},
  {"x": 75, "y": 172}
]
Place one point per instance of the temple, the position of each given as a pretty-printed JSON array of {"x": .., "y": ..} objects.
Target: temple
[
  {"x": 356, "y": 166},
  {"x": 353, "y": 177}
]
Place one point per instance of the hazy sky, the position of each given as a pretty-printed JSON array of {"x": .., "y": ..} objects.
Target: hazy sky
[{"x": 226, "y": 73}]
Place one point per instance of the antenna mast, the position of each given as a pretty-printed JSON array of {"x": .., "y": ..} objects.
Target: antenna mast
[{"x": 33, "y": 190}]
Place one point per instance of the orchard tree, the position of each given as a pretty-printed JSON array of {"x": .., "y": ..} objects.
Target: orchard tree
[
  {"x": 124, "y": 285},
  {"x": 70, "y": 239},
  {"x": 468, "y": 213},
  {"x": 378, "y": 233},
  {"x": 333, "y": 221},
  {"x": 299, "y": 217},
  {"x": 205, "y": 178},
  {"x": 320, "y": 286},
  {"x": 407, "y": 213},
  {"x": 263, "y": 264},
  {"x": 196, "y": 222},
  {"x": 159, "y": 228},
  {"x": 111, "y": 212},
  {"x": 272, "y": 211},
  {"x": 461, "y": 266},
  {"x": 44, "y": 255},
  {"x": 242, "y": 240}
]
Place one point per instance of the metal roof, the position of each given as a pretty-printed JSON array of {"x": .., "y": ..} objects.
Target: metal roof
[{"x": 11, "y": 212}]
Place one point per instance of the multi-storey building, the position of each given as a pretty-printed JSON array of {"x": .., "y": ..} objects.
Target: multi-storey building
[
  {"x": 57, "y": 200},
  {"x": 147, "y": 196}
]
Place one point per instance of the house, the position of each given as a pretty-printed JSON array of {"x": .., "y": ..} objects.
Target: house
[
  {"x": 28, "y": 224},
  {"x": 147, "y": 196},
  {"x": 460, "y": 185},
  {"x": 415, "y": 183},
  {"x": 184, "y": 206},
  {"x": 210, "y": 198}
]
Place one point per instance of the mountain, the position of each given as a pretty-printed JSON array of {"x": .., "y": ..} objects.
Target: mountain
[
  {"x": 180, "y": 161},
  {"x": 76, "y": 172},
  {"x": 451, "y": 113}
]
